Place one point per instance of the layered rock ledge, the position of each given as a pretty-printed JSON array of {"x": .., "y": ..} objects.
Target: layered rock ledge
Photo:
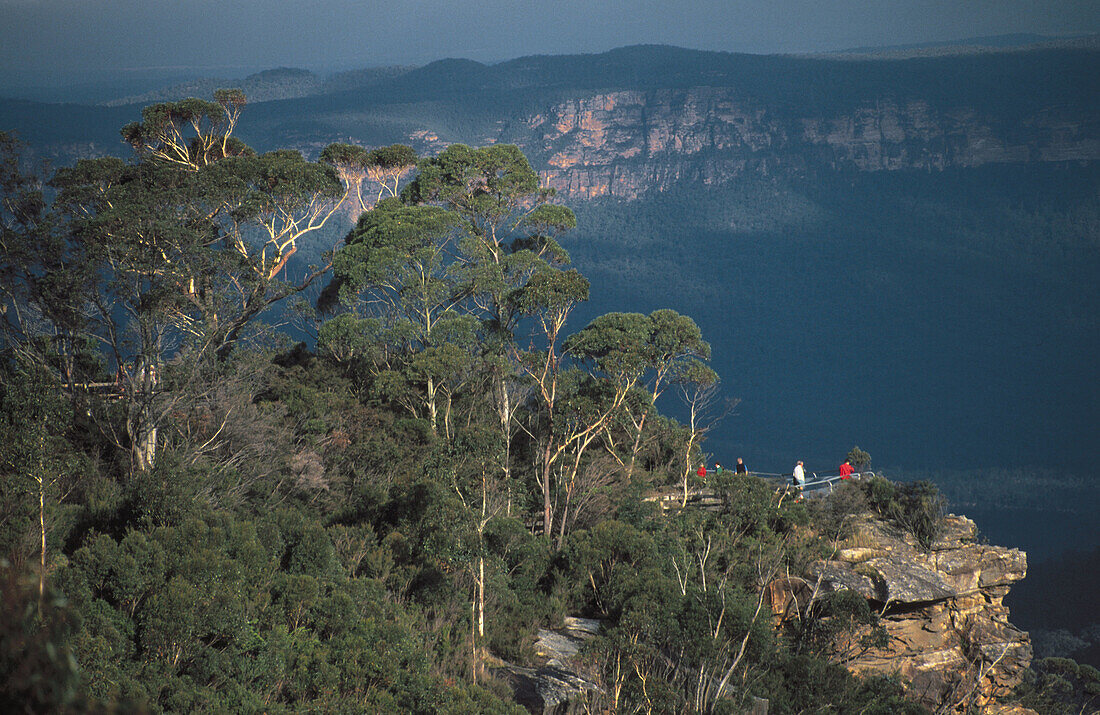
[{"x": 943, "y": 608}]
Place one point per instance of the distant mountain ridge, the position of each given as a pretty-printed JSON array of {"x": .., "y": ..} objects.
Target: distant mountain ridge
[
  {"x": 639, "y": 118},
  {"x": 267, "y": 86},
  {"x": 991, "y": 43},
  {"x": 635, "y": 118},
  {"x": 280, "y": 83}
]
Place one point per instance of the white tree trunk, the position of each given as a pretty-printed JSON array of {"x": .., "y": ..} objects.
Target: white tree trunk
[
  {"x": 143, "y": 428},
  {"x": 481, "y": 597}
]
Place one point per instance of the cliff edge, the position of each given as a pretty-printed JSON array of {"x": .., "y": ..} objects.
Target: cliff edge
[
  {"x": 942, "y": 608},
  {"x": 625, "y": 143}
]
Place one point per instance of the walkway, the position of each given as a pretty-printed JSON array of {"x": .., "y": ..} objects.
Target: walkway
[{"x": 708, "y": 498}]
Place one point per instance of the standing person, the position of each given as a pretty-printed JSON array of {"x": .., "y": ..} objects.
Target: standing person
[
  {"x": 799, "y": 477},
  {"x": 846, "y": 470},
  {"x": 718, "y": 468},
  {"x": 701, "y": 472},
  {"x": 740, "y": 468}
]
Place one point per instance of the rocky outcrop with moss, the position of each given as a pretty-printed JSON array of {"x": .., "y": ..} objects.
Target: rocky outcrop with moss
[{"x": 942, "y": 609}]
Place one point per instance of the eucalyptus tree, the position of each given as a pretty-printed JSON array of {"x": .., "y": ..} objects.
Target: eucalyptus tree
[
  {"x": 398, "y": 275},
  {"x": 697, "y": 385},
  {"x": 473, "y": 458},
  {"x": 508, "y": 234},
  {"x": 41, "y": 284},
  {"x": 550, "y": 295},
  {"x": 250, "y": 211},
  {"x": 509, "y": 228},
  {"x": 673, "y": 339},
  {"x": 615, "y": 344},
  {"x": 22, "y": 206},
  {"x": 191, "y": 133},
  {"x": 179, "y": 260},
  {"x": 385, "y": 167},
  {"x": 178, "y": 250},
  {"x": 33, "y": 461},
  {"x": 633, "y": 352},
  {"x": 134, "y": 227},
  {"x": 264, "y": 206}
]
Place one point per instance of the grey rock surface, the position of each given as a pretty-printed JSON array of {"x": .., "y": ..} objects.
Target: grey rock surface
[{"x": 557, "y": 686}]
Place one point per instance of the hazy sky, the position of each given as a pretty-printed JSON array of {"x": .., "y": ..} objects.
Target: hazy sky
[{"x": 40, "y": 38}]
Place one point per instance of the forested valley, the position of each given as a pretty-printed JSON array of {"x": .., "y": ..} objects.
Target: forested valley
[{"x": 200, "y": 515}]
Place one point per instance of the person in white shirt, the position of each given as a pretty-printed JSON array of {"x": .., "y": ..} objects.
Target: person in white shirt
[{"x": 799, "y": 475}]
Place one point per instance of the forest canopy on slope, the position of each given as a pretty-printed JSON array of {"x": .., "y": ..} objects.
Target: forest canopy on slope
[{"x": 199, "y": 515}]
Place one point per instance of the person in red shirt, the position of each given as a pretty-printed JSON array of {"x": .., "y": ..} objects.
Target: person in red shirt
[
  {"x": 702, "y": 471},
  {"x": 846, "y": 470}
]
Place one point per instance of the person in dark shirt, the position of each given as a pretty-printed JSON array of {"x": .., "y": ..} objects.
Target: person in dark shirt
[{"x": 741, "y": 468}]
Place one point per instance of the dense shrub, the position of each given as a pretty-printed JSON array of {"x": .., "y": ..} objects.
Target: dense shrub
[
  {"x": 1060, "y": 686},
  {"x": 916, "y": 507},
  {"x": 801, "y": 679},
  {"x": 832, "y": 516}
]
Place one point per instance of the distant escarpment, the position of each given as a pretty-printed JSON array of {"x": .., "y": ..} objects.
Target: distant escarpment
[
  {"x": 947, "y": 632},
  {"x": 625, "y": 143},
  {"x": 630, "y": 120},
  {"x": 641, "y": 118}
]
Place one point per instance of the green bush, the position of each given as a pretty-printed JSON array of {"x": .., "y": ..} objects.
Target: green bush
[
  {"x": 1059, "y": 686},
  {"x": 832, "y": 516},
  {"x": 915, "y": 507},
  {"x": 859, "y": 459}
]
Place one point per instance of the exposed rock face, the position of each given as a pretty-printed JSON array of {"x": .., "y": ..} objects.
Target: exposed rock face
[
  {"x": 555, "y": 687},
  {"x": 943, "y": 609},
  {"x": 623, "y": 143}
]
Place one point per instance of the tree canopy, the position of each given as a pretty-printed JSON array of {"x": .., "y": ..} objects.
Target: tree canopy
[{"x": 378, "y": 521}]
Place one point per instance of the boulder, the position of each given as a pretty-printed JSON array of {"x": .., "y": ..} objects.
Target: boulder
[
  {"x": 840, "y": 576},
  {"x": 556, "y": 686},
  {"x": 904, "y": 581}
]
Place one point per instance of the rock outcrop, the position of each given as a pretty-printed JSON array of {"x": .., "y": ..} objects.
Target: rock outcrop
[
  {"x": 554, "y": 687},
  {"x": 942, "y": 608}
]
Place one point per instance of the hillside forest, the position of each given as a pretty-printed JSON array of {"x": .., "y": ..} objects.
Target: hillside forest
[{"x": 200, "y": 515}]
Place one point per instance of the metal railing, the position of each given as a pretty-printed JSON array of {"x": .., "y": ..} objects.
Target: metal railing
[
  {"x": 812, "y": 481},
  {"x": 707, "y": 497},
  {"x": 816, "y": 483}
]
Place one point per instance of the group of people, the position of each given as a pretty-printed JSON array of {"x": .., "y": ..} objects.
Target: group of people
[
  {"x": 798, "y": 475},
  {"x": 738, "y": 468}
]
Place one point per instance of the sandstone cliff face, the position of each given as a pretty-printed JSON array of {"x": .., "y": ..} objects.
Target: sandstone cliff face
[
  {"x": 623, "y": 143},
  {"x": 949, "y": 634}
]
